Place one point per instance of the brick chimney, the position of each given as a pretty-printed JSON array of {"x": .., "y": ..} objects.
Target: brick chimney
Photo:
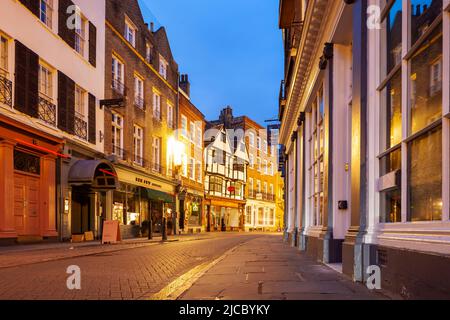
[
  {"x": 226, "y": 117},
  {"x": 185, "y": 85}
]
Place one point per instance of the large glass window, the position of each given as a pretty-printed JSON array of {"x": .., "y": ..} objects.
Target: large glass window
[
  {"x": 317, "y": 143},
  {"x": 426, "y": 82},
  {"x": 425, "y": 177},
  {"x": 416, "y": 107}
]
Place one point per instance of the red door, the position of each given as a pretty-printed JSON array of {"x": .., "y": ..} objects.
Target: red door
[{"x": 26, "y": 205}]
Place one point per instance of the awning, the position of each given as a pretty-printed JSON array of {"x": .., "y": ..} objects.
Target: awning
[
  {"x": 160, "y": 196},
  {"x": 99, "y": 174}
]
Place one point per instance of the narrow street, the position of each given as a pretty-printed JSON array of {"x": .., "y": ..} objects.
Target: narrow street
[{"x": 221, "y": 266}]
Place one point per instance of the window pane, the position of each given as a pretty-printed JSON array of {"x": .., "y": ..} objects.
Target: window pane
[
  {"x": 394, "y": 36},
  {"x": 391, "y": 199},
  {"x": 423, "y": 13},
  {"x": 391, "y": 113},
  {"x": 426, "y": 82},
  {"x": 425, "y": 181}
]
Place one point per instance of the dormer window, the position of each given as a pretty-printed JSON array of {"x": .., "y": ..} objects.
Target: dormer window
[{"x": 130, "y": 32}]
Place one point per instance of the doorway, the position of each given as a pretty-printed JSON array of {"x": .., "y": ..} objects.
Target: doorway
[
  {"x": 26, "y": 205},
  {"x": 83, "y": 210}
]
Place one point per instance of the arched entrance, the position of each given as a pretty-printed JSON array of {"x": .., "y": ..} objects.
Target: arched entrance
[{"x": 90, "y": 180}]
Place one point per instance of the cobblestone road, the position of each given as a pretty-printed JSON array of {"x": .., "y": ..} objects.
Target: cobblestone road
[
  {"x": 221, "y": 266},
  {"x": 134, "y": 273}
]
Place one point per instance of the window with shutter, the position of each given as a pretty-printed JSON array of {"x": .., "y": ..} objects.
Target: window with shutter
[
  {"x": 66, "y": 27},
  {"x": 92, "y": 120},
  {"x": 26, "y": 80},
  {"x": 32, "y": 5},
  {"x": 92, "y": 44},
  {"x": 66, "y": 103}
]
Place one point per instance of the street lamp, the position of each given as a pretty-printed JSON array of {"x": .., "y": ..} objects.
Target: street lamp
[{"x": 176, "y": 152}]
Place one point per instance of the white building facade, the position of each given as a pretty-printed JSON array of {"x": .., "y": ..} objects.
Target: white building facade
[
  {"x": 366, "y": 130},
  {"x": 53, "y": 61}
]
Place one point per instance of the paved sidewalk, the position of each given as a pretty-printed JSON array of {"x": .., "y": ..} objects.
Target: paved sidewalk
[
  {"x": 267, "y": 269},
  {"x": 18, "y": 255}
]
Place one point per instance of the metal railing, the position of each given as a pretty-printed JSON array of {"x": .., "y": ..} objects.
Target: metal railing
[
  {"x": 81, "y": 128},
  {"x": 47, "y": 111},
  {"x": 118, "y": 86},
  {"x": 119, "y": 152},
  {"x": 5, "y": 90},
  {"x": 140, "y": 161},
  {"x": 139, "y": 102}
]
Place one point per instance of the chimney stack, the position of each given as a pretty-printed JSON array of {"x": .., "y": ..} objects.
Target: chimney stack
[
  {"x": 152, "y": 26},
  {"x": 185, "y": 85},
  {"x": 226, "y": 117}
]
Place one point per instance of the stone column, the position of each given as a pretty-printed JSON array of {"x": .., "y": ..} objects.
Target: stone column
[
  {"x": 7, "y": 223},
  {"x": 353, "y": 244}
]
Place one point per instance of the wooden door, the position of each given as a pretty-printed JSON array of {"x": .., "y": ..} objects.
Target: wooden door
[{"x": 26, "y": 205}]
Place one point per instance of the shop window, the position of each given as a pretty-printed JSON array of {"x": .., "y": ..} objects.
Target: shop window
[
  {"x": 391, "y": 113},
  {"x": 391, "y": 198},
  {"x": 426, "y": 82},
  {"x": 425, "y": 180},
  {"x": 261, "y": 216},
  {"x": 423, "y": 14},
  {"x": 393, "y": 35},
  {"x": 26, "y": 162},
  {"x": 317, "y": 167}
]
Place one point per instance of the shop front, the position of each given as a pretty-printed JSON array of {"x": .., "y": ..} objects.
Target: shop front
[
  {"x": 227, "y": 215},
  {"x": 89, "y": 182},
  {"x": 192, "y": 216},
  {"x": 28, "y": 160},
  {"x": 140, "y": 200}
]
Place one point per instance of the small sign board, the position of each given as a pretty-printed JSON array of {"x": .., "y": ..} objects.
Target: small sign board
[
  {"x": 111, "y": 232},
  {"x": 89, "y": 236}
]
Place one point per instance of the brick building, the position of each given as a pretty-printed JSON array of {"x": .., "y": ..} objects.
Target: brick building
[
  {"x": 143, "y": 76},
  {"x": 191, "y": 123}
]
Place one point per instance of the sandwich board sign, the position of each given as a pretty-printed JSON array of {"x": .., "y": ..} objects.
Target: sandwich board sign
[{"x": 111, "y": 232}]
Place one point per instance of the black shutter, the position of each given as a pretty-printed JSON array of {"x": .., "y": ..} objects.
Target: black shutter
[
  {"x": 67, "y": 34},
  {"x": 66, "y": 103},
  {"x": 32, "y": 5},
  {"x": 92, "y": 120},
  {"x": 92, "y": 44},
  {"x": 26, "y": 80}
]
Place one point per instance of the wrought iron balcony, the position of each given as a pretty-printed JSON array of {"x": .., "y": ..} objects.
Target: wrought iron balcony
[
  {"x": 118, "y": 87},
  {"x": 5, "y": 90},
  {"x": 139, "y": 102},
  {"x": 140, "y": 161},
  {"x": 47, "y": 111},
  {"x": 81, "y": 128},
  {"x": 119, "y": 152}
]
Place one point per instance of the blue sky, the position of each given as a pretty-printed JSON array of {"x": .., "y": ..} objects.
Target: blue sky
[{"x": 231, "y": 49}]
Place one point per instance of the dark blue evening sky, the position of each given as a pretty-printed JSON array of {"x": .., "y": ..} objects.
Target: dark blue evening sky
[{"x": 231, "y": 49}]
